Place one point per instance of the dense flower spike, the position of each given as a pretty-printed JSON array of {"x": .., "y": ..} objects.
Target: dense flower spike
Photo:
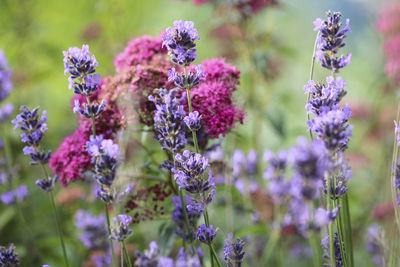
[
  {"x": 330, "y": 40},
  {"x": 324, "y": 98},
  {"x": 234, "y": 252},
  {"x": 244, "y": 170},
  {"x": 8, "y": 258},
  {"x": 338, "y": 255},
  {"x": 193, "y": 78},
  {"x": 333, "y": 129},
  {"x": 311, "y": 163},
  {"x": 206, "y": 234},
  {"x": 94, "y": 235},
  {"x": 150, "y": 257},
  {"x": 168, "y": 121},
  {"x": 193, "y": 121},
  {"x": 33, "y": 128},
  {"x": 180, "y": 42},
  {"x": 5, "y": 77},
  {"x": 194, "y": 210},
  {"x": 121, "y": 229},
  {"x": 47, "y": 184},
  {"x": 105, "y": 156},
  {"x": 188, "y": 172}
]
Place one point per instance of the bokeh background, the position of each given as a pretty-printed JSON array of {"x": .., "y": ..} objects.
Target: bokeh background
[{"x": 34, "y": 33}]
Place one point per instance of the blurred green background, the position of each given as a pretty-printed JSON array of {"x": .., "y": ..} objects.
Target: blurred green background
[{"x": 34, "y": 33}]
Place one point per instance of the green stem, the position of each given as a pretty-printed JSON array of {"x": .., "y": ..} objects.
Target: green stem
[
  {"x": 109, "y": 233},
  {"x": 187, "y": 220},
  {"x": 128, "y": 259},
  {"x": 207, "y": 222},
  {"x": 394, "y": 174},
  {"x": 196, "y": 144},
  {"x": 316, "y": 249},
  {"x": 93, "y": 120},
  {"x": 330, "y": 226},
  {"x": 347, "y": 228},
  {"x": 270, "y": 247},
  {"x": 59, "y": 228},
  {"x": 311, "y": 77}
]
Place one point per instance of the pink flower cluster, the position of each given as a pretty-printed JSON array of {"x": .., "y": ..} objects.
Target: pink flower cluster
[
  {"x": 213, "y": 97},
  {"x": 141, "y": 68},
  {"x": 389, "y": 25}
]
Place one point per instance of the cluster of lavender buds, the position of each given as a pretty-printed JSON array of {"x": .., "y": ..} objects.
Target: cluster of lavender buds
[
  {"x": 121, "y": 229},
  {"x": 8, "y": 258},
  {"x": 152, "y": 257},
  {"x": 81, "y": 65},
  {"x": 189, "y": 171},
  {"x": 94, "y": 235},
  {"x": 330, "y": 40},
  {"x": 338, "y": 251},
  {"x": 375, "y": 245},
  {"x": 244, "y": 170},
  {"x": 14, "y": 196},
  {"x": 6, "y": 87},
  {"x": 33, "y": 127},
  {"x": 206, "y": 234},
  {"x": 278, "y": 186},
  {"x": 186, "y": 80},
  {"x": 193, "y": 121},
  {"x": 48, "y": 184},
  {"x": 194, "y": 211},
  {"x": 180, "y": 42},
  {"x": 234, "y": 252},
  {"x": 105, "y": 156},
  {"x": 169, "y": 121}
]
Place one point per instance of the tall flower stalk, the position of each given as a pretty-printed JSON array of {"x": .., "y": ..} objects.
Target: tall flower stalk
[
  {"x": 330, "y": 125},
  {"x": 81, "y": 65},
  {"x": 189, "y": 167},
  {"x": 34, "y": 128}
]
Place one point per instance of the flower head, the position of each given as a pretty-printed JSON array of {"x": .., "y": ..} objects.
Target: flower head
[
  {"x": 121, "y": 229},
  {"x": 194, "y": 211},
  {"x": 193, "y": 121},
  {"x": 338, "y": 254},
  {"x": 8, "y": 257},
  {"x": 180, "y": 42},
  {"x": 94, "y": 230},
  {"x": 206, "y": 234},
  {"x": 5, "y": 77},
  {"x": 47, "y": 184},
  {"x": 233, "y": 251}
]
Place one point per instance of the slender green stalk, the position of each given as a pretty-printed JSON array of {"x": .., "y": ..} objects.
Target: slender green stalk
[
  {"x": 207, "y": 222},
  {"x": 394, "y": 174},
  {"x": 311, "y": 77},
  {"x": 93, "y": 120},
  {"x": 316, "y": 249},
  {"x": 270, "y": 247},
  {"x": 330, "y": 226},
  {"x": 128, "y": 259},
  {"x": 347, "y": 229},
  {"x": 122, "y": 257},
  {"x": 109, "y": 233},
  {"x": 59, "y": 228}
]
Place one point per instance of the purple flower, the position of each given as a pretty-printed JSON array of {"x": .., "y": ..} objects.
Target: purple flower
[
  {"x": 121, "y": 231},
  {"x": 233, "y": 252},
  {"x": 88, "y": 111},
  {"x": 168, "y": 121},
  {"x": 333, "y": 129},
  {"x": 330, "y": 40},
  {"x": 194, "y": 211},
  {"x": 180, "y": 42},
  {"x": 192, "y": 80},
  {"x": 184, "y": 261},
  {"x": 324, "y": 217},
  {"x": 206, "y": 234},
  {"x": 5, "y": 77},
  {"x": 375, "y": 244},
  {"x": 338, "y": 255},
  {"x": 278, "y": 187},
  {"x": 47, "y": 184},
  {"x": 324, "y": 98},
  {"x": 5, "y": 112},
  {"x": 8, "y": 197},
  {"x": 94, "y": 235},
  {"x": 14, "y": 196},
  {"x": 8, "y": 257},
  {"x": 193, "y": 121},
  {"x": 150, "y": 257}
]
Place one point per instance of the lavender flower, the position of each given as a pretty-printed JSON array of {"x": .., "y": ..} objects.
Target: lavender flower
[
  {"x": 324, "y": 98},
  {"x": 310, "y": 162},
  {"x": 233, "y": 252},
  {"x": 105, "y": 156},
  {"x": 14, "y": 196},
  {"x": 192, "y": 80},
  {"x": 168, "y": 121},
  {"x": 206, "y": 234},
  {"x": 5, "y": 77},
  {"x": 193, "y": 121},
  {"x": 150, "y": 257},
  {"x": 94, "y": 230},
  {"x": 375, "y": 244},
  {"x": 87, "y": 110},
  {"x": 333, "y": 129},
  {"x": 184, "y": 261},
  {"x": 278, "y": 186},
  {"x": 33, "y": 128},
  {"x": 180, "y": 42},
  {"x": 121, "y": 231},
  {"x": 194, "y": 211},
  {"x": 47, "y": 184},
  {"x": 338, "y": 255},
  {"x": 344, "y": 173},
  {"x": 8, "y": 258},
  {"x": 330, "y": 40},
  {"x": 396, "y": 181},
  {"x": 5, "y": 112},
  {"x": 188, "y": 172}
]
